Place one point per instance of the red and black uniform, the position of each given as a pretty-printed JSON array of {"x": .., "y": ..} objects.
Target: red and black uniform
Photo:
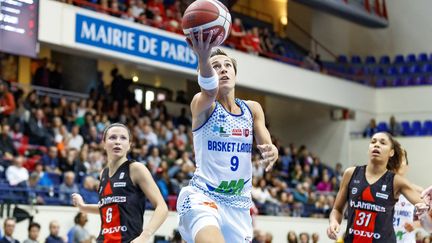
[
  {"x": 370, "y": 208},
  {"x": 121, "y": 206}
]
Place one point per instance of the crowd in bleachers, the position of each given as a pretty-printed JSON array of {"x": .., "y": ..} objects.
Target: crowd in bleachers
[
  {"x": 262, "y": 40},
  {"x": 403, "y": 70},
  {"x": 404, "y": 128},
  {"x": 51, "y": 147}
]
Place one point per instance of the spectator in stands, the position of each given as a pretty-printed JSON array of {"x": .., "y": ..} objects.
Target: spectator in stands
[
  {"x": 128, "y": 15},
  {"x": 269, "y": 238},
  {"x": 236, "y": 35},
  {"x": 56, "y": 77},
  {"x": 84, "y": 130},
  {"x": 154, "y": 160},
  {"x": 7, "y": 101},
  {"x": 371, "y": 129},
  {"x": 76, "y": 141},
  {"x": 123, "y": 87},
  {"x": 251, "y": 42},
  {"x": 300, "y": 194},
  {"x": 266, "y": 41},
  {"x": 95, "y": 163},
  {"x": 7, "y": 148},
  {"x": 286, "y": 203},
  {"x": 33, "y": 233},
  {"x": 42, "y": 74},
  {"x": 9, "y": 228},
  {"x": 304, "y": 237},
  {"x": 315, "y": 238},
  {"x": 88, "y": 190},
  {"x": 50, "y": 161},
  {"x": 291, "y": 237},
  {"x": 319, "y": 62},
  {"x": 309, "y": 63},
  {"x": 81, "y": 235},
  {"x": 38, "y": 132},
  {"x": 71, "y": 162},
  {"x": 16, "y": 174},
  {"x": 68, "y": 187},
  {"x": 183, "y": 118},
  {"x": 162, "y": 181},
  {"x": 44, "y": 179},
  {"x": 34, "y": 194},
  {"x": 325, "y": 185},
  {"x": 54, "y": 229},
  {"x": 181, "y": 97},
  {"x": 395, "y": 127},
  {"x": 259, "y": 236}
]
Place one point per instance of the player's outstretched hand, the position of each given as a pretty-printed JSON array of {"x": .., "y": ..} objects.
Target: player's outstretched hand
[
  {"x": 269, "y": 154},
  {"x": 77, "y": 200},
  {"x": 427, "y": 195},
  {"x": 333, "y": 231},
  {"x": 421, "y": 208},
  {"x": 200, "y": 46}
]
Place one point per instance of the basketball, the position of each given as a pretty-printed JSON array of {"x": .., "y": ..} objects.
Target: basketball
[{"x": 211, "y": 16}]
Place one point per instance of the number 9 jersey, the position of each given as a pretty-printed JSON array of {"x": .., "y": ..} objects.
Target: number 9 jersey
[
  {"x": 370, "y": 208},
  {"x": 223, "y": 154}
]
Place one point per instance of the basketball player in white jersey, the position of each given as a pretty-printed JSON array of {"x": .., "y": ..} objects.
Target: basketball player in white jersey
[
  {"x": 215, "y": 206},
  {"x": 403, "y": 218}
]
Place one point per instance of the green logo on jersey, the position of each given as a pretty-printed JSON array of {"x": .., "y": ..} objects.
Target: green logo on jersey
[{"x": 232, "y": 187}]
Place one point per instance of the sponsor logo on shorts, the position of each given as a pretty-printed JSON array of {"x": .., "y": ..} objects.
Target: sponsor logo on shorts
[
  {"x": 210, "y": 204},
  {"x": 364, "y": 233},
  {"x": 115, "y": 229},
  {"x": 119, "y": 184}
]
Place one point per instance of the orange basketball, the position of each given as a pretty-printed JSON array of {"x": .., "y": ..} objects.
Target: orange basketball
[{"x": 208, "y": 15}]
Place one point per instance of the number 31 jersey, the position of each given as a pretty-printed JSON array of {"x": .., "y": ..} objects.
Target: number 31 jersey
[
  {"x": 370, "y": 209},
  {"x": 223, "y": 151}
]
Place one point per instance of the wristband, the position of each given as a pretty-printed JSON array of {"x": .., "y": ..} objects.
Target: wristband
[{"x": 208, "y": 83}]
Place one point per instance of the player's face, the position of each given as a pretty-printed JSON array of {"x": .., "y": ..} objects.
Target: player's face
[
  {"x": 380, "y": 147},
  {"x": 116, "y": 142},
  {"x": 225, "y": 70}
]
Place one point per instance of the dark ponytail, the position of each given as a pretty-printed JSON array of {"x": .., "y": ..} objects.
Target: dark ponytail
[{"x": 394, "y": 162}]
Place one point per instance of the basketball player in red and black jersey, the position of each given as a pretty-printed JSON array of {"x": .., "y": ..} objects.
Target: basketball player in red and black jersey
[
  {"x": 123, "y": 189},
  {"x": 371, "y": 192}
]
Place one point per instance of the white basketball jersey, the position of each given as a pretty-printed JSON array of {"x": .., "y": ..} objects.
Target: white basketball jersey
[
  {"x": 404, "y": 212},
  {"x": 223, "y": 149}
]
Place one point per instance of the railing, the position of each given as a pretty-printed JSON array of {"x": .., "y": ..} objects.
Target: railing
[
  {"x": 269, "y": 18},
  {"x": 53, "y": 93}
]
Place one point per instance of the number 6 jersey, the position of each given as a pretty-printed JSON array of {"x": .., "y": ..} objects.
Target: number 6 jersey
[
  {"x": 223, "y": 149},
  {"x": 370, "y": 208},
  {"x": 121, "y": 206}
]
